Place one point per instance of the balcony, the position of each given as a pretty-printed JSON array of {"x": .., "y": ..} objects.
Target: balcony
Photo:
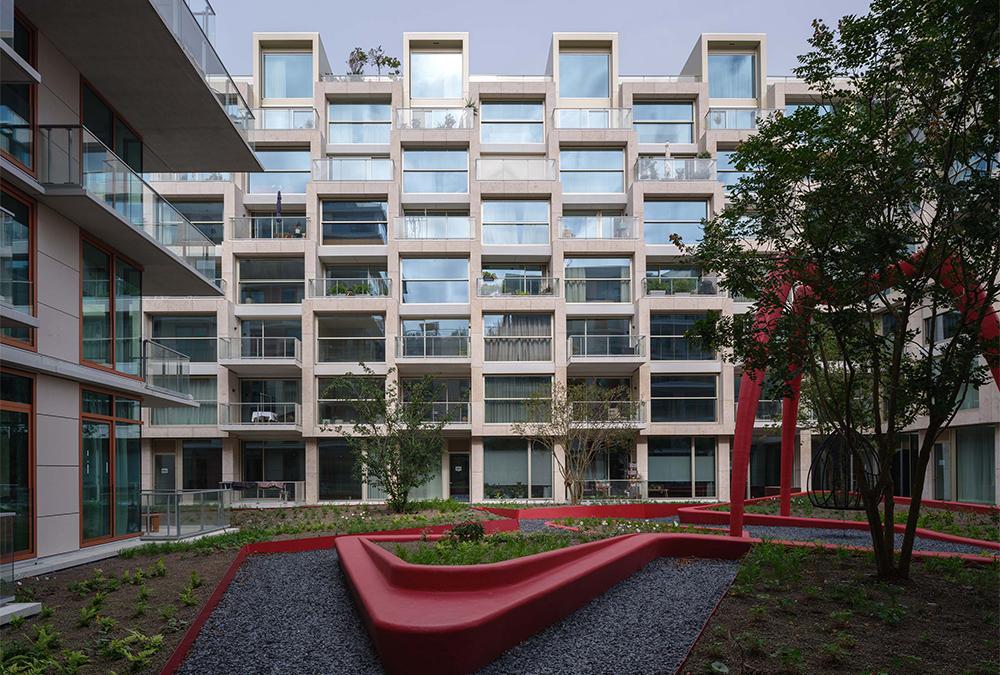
[
  {"x": 607, "y": 412},
  {"x": 454, "y": 412},
  {"x": 165, "y": 369},
  {"x": 284, "y": 118},
  {"x": 605, "y": 354},
  {"x": 517, "y": 287},
  {"x": 263, "y": 417},
  {"x": 156, "y": 67},
  {"x": 349, "y": 287},
  {"x": 189, "y": 177},
  {"x": 677, "y": 348},
  {"x": 434, "y": 227},
  {"x": 350, "y": 350},
  {"x": 178, "y": 514},
  {"x": 437, "y": 119},
  {"x": 682, "y": 286},
  {"x": 352, "y": 169},
  {"x": 598, "y": 290},
  {"x": 351, "y": 77},
  {"x": 593, "y": 118},
  {"x": 284, "y": 292},
  {"x": 517, "y": 348},
  {"x": 15, "y": 69},
  {"x": 433, "y": 346},
  {"x": 516, "y": 169},
  {"x": 597, "y": 227},
  {"x": 86, "y": 182},
  {"x": 261, "y": 356},
  {"x": 659, "y": 168},
  {"x": 735, "y": 118},
  {"x": 270, "y": 227}
]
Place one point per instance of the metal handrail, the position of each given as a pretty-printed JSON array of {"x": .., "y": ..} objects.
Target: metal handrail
[{"x": 580, "y": 346}]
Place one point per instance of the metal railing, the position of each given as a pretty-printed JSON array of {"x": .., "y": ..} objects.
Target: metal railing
[
  {"x": 433, "y": 346},
  {"x": 589, "y": 346},
  {"x": 247, "y": 348},
  {"x": 455, "y": 412},
  {"x": 598, "y": 290},
  {"x": 659, "y": 78},
  {"x": 516, "y": 287},
  {"x": 659, "y": 168},
  {"x": 735, "y": 118},
  {"x": 189, "y": 177},
  {"x": 435, "y": 118},
  {"x": 352, "y": 169},
  {"x": 678, "y": 348},
  {"x": 613, "y": 488},
  {"x": 262, "y": 491},
  {"x": 271, "y": 292},
  {"x": 593, "y": 118},
  {"x": 596, "y": 227},
  {"x": 434, "y": 227},
  {"x": 351, "y": 77},
  {"x": 652, "y": 286},
  {"x": 270, "y": 227},
  {"x": 198, "y": 349},
  {"x": 349, "y": 287},
  {"x": 350, "y": 349},
  {"x": 260, "y": 414},
  {"x": 582, "y": 412},
  {"x": 285, "y": 117},
  {"x": 515, "y": 169},
  {"x": 165, "y": 369},
  {"x": 176, "y": 514}
]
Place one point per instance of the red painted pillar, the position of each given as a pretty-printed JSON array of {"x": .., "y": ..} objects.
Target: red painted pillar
[{"x": 789, "y": 419}]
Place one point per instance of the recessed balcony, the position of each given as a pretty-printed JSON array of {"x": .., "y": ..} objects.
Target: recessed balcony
[
  {"x": 664, "y": 169},
  {"x": 435, "y": 227},
  {"x": 593, "y": 118},
  {"x": 284, "y": 118},
  {"x": 362, "y": 169},
  {"x": 349, "y": 287},
  {"x": 597, "y": 227},
  {"x": 735, "y": 118},
  {"x": 435, "y": 119},
  {"x": 680, "y": 286},
  {"x": 506, "y": 169},
  {"x": 607, "y": 412},
  {"x": 605, "y": 354},
  {"x": 517, "y": 287},
  {"x": 261, "y": 356},
  {"x": 270, "y": 227},
  {"x": 265, "y": 417}
]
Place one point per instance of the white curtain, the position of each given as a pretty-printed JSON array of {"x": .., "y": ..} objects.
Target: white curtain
[{"x": 976, "y": 468}]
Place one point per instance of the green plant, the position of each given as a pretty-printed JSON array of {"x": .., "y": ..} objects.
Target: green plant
[
  {"x": 87, "y": 615},
  {"x": 188, "y": 598},
  {"x": 833, "y": 652},
  {"x": 106, "y": 624},
  {"x": 841, "y": 617},
  {"x": 168, "y": 612},
  {"x": 140, "y": 608},
  {"x": 46, "y": 638},
  {"x": 24, "y": 594},
  {"x": 136, "y": 648},
  {"x": 73, "y": 660},
  {"x": 195, "y": 580},
  {"x": 468, "y": 531},
  {"x": 143, "y": 592},
  {"x": 47, "y": 611},
  {"x": 489, "y": 276},
  {"x": 159, "y": 569},
  {"x": 16, "y": 621},
  {"x": 790, "y": 658}
]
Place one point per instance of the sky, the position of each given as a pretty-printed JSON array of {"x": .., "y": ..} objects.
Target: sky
[{"x": 512, "y": 37}]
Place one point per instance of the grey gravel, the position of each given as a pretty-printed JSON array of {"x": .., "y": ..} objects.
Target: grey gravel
[
  {"x": 855, "y": 538},
  {"x": 645, "y": 624},
  {"x": 285, "y": 613},
  {"x": 536, "y": 525}
]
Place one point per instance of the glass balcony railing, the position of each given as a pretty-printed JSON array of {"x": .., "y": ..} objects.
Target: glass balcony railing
[
  {"x": 677, "y": 348},
  {"x": 276, "y": 292},
  {"x": 260, "y": 414},
  {"x": 584, "y": 346},
  {"x": 175, "y": 514},
  {"x": 71, "y": 155},
  {"x": 515, "y": 169},
  {"x": 198, "y": 349},
  {"x": 598, "y": 290},
  {"x": 189, "y": 177},
  {"x": 597, "y": 227},
  {"x": 350, "y": 350},
  {"x": 249, "y": 348},
  {"x": 165, "y": 369},
  {"x": 298, "y": 117},
  {"x": 7, "y": 21},
  {"x": 510, "y": 286},
  {"x": 349, "y": 287},
  {"x": 735, "y": 118},
  {"x": 435, "y": 118},
  {"x": 204, "y": 14},
  {"x": 352, "y": 169},
  {"x": 191, "y": 36},
  {"x": 434, "y": 227},
  {"x": 593, "y": 118},
  {"x": 433, "y": 346},
  {"x": 270, "y": 227},
  {"x": 607, "y": 411},
  {"x": 657, "y": 286},
  {"x": 455, "y": 412},
  {"x": 351, "y": 77},
  {"x": 659, "y": 168}
]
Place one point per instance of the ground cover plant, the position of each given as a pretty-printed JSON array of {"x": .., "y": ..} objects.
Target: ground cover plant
[
  {"x": 486, "y": 549},
  {"x": 613, "y": 527}
]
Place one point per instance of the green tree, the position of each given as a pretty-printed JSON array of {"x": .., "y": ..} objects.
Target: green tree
[
  {"x": 395, "y": 436},
  {"x": 901, "y": 157}
]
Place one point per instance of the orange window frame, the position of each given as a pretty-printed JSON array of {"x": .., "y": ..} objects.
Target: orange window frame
[
  {"x": 33, "y": 94},
  {"x": 32, "y": 262},
  {"x": 30, "y": 409}
]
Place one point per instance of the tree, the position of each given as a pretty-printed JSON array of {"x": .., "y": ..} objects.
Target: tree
[
  {"x": 395, "y": 437},
  {"x": 902, "y": 156},
  {"x": 381, "y": 60},
  {"x": 357, "y": 60},
  {"x": 585, "y": 421}
]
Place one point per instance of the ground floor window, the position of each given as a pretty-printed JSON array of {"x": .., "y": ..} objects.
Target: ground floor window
[
  {"x": 904, "y": 463},
  {"x": 202, "y": 463},
  {"x": 17, "y": 469},
  {"x": 681, "y": 466},
  {"x": 683, "y": 398},
  {"x": 975, "y": 464},
  {"x": 110, "y": 469},
  {"x": 513, "y": 471},
  {"x": 282, "y": 461},
  {"x": 337, "y": 479},
  {"x": 432, "y": 489}
]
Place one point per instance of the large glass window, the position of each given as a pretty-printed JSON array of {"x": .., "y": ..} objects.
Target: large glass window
[
  {"x": 681, "y": 466},
  {"x": 663, "y": 122},
  {"x": 434, "y": 337},
  {"x": 506, "y": 397},
  {"x": 584, "y": 75},
  {"x": 17, "y": 465},
  {"x": 600, "y": 337},
  {"x": 365, "y": 123},
  {"x": 683, "y": 398},
  {"x": 515, "y": 279},
  {"x": 269, "y": 338},
  {"x": 112, "y": 321},
  {"x": 726, "y": 170},
  {"x": 337, "y": 398},
  {"x": 514, "y": 468},
  {"x": 450, "y": 400},
  {"x": 732, "y": 76},
  {"x": 351, "y": 338},
  {"x": 598, "y": 280},
  {"x": 272, "y": 280},
  {"x": 111, "y": 129},
  {"x": 435, "y": 75},
  {"x": 16, "y": 264},
  {"x": 585, "y": 171},
  {"x": 16, "y": 109},
  {"x": 975, "y": 464},
  {"x": 517, "y": 337},
  {"x": 274, "y": 461},
  {"x": 337, "y": 479},
  {"x": 202, "y": 462},
  {"x": 204, "y": 391},
  {"x": 942, "y": 327},
  {"x": 277, "y": 398},
  {"x": 355, "y": 222},
  {"x": 288, "y": 74},
  {"x": 669, "y": 340},
  {"x": 205, "y": 216},
  {"x": 436, "y": 171},
  {"x": 515, "y": 222},
  {"x": 284, "y": 171},
  {"x": 110, "y": 468},
  {"x": 435, "y": 280},
  {"x": 662, "y": 219},
  {"x": 189, "y": 334},
  {"x": 512, "y": 122}
]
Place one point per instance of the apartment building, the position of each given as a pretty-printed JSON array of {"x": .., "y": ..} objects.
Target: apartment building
[
  {"x": 497, "y": 233},
  {"x": 85, "y": 240}
]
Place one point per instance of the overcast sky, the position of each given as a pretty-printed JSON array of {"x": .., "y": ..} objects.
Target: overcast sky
[{"x": 511, "y": 37}]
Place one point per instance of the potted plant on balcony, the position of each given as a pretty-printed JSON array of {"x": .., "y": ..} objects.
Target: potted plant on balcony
[
  {"x": 361, "y": 289},
  {"x": 656, "y": 287},
  {"x": 685, "y": 285},
  {"x": 489, "y": 287}
]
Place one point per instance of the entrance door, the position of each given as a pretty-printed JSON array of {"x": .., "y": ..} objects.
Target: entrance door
[
  {"x": 163, "y": 478},
  {"x": 458, "y": 476},
  {"x": 765, "y": 466}
]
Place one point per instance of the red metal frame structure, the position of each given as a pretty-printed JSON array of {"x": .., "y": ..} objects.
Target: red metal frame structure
[{"x": 967, "y": 299}]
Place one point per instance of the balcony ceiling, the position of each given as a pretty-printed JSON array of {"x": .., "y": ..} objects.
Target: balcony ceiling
[{"x": 123, "y": 48}]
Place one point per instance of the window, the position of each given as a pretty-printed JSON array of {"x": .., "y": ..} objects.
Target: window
[
  {"x": 191, "y": 335},
  {"x": 515, "y": 222},
  {"x": 598, "y": 280},
  {"x": 202, "y": 462},
  {"x": 269, "y": 338},
  {"x": 664, "y": 122},
  {"x": 355, "y": 222},
  {"x": 517, "y": 337},
  {"x": 436, "y": 75},
  {"x": 110, "y": 471},
  {"x": 17, "y": 265},
  {"x": 726, "y": 171},
  {"x": 336, "y": 398},
  {"x": 284, "y": 171},
  {"x": 514, "y": 468},
  {"x": 669, "y": 341},
  {"x": 288, "y": 75},
  {"x": 600, "y": 337},
  {"x": 112, "y": 312},
  {"x": 110, "y": 129},
  {"x": 205, "y": 392},
  {"x": 732, "y": 76},
  {"x": 669, "y": 279},
  {"x": 272, "y": 280},
  {"x": 515, "y": 279},
  {"x": 975, "y": 464},
  {"x": 435, "y": 280},
  {"x": 17, "y": 110},
  {"x": 274, "y": 461},
  {"x": 277, "y": 399},
  {"x": 820, "y": 108},
  {"x": 450, "y": 400},
  {"x": 351, "y": 338},
  {"x": 367, "y": 123},
  {"x": 337, "y": 479},
  {"x": 942, "y": 327},
  {"x": 683, "y": 398},
  {"x": 512, "y": 122},
  {"x": 681, "y": 466},
  {"x": 17, "y": 457},
  {"x": 663, "y": 219},
  {"x": 595, "y": 224},
  {"x": 355, "y": 279},
  {"x": 968, "y": 398},
  {"x": 434, "y": 337},
  {"x": 586, "y": 171},
  {"x": 205, "y": 216},
  {"x": 506, "y": 397},
  {"x": 436, "y": 171},
  {"x": 436, "y": 223},
  {"x": 584, "y": 75}
]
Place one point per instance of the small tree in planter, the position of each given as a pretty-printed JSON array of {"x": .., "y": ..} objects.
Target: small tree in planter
[
  {"x": 356, "y": 61},
  {"x": 656, "y": 287},
  {"x": 380, "y": 60}
]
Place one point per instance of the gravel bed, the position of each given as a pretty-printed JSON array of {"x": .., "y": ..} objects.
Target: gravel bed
[
  {"x": 535, "y": 525},
  {"x": 854, "y": 538},
  {"x": 645, "y": 624},
  {"x": 285, "y": 613}
]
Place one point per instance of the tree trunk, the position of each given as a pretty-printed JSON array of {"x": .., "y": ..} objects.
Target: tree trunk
[
  {"x": 916, "y": 497},
  {"x": 882, "y": 548}
]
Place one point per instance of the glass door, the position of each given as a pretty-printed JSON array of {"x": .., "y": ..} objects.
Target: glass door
[
  {"x": 96, "y": 470},
  {"x": 458, "y": 476}
]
